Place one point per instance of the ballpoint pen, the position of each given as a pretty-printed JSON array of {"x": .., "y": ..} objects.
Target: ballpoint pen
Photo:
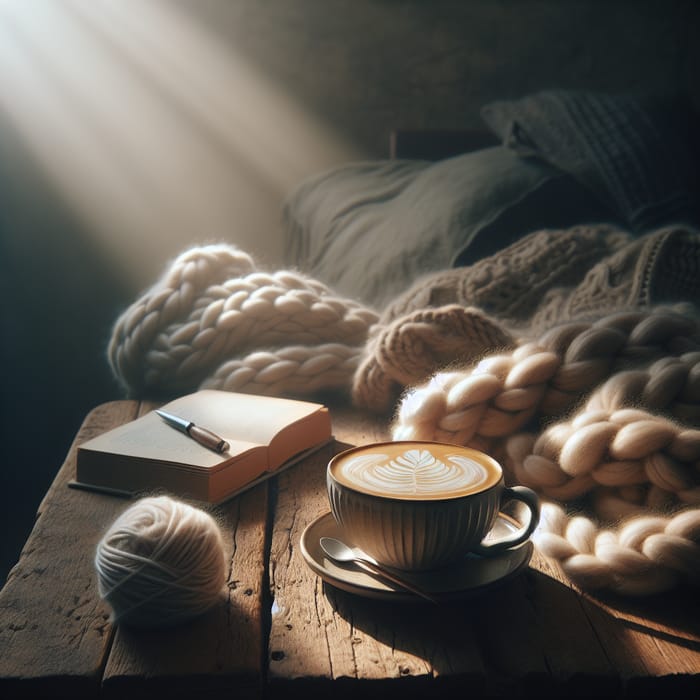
[{"x": 201, "y": 435}]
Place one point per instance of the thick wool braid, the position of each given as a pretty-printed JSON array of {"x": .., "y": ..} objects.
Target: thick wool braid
[
  {"x": 213, "y": 306},
  {"x": 136, "y": 329},
  {"x": 292, "y": 370},
  {"x": 647, "y": 555},
  {"x": 633, "y": 462},
  {"x": 616, "y": 441},
  {"x": 501, "y": 393},
  {"x": 410, "y": 348},
  {"x": 626, "y": 454}
]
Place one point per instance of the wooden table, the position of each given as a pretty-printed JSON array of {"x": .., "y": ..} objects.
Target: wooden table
[{"x": 283, "y": 630}]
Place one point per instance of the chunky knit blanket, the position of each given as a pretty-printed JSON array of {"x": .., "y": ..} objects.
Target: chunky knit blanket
[{"x": 572, "y": 356}]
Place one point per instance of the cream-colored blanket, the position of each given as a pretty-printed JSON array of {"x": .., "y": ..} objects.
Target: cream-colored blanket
[{"x": 573, "y": 356}]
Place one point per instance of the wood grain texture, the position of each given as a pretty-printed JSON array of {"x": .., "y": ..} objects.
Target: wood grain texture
[
  {"x": 650, "y": 642},
  {"x": 279, "y": 629},
  {"x": 56, "y": 632},
  {"x": 54, "y": 628},
  {"x": 535, "y": 635},
  {"x": 320, "y": 633},
  {"x": 220, "y": 650}
]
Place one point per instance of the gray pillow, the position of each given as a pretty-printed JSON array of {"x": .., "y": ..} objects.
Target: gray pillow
[{"x": 370, "y": 229}]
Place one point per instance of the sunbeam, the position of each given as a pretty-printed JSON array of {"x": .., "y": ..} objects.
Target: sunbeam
[{"x": 157, "y": 133}]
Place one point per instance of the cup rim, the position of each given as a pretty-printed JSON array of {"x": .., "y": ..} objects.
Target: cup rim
[{"x": 426, "y": 498}]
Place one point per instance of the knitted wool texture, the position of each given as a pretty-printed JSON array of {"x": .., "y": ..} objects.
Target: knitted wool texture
[
  {"x": 215, "y": 320},
  {"x": 488, "y": 356}
]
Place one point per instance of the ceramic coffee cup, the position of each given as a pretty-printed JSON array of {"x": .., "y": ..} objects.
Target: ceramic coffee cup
[{"x": 416, "y": 505}]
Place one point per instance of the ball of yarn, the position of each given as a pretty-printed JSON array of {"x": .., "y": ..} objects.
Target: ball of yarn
[{"x": 160, "y": 563}]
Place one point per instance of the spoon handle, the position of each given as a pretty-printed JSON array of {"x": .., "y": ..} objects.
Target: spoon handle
[{"x": 390, "y": 576}]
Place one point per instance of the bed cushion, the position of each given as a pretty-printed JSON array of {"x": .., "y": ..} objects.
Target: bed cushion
[{"x": 369, "y": 229}]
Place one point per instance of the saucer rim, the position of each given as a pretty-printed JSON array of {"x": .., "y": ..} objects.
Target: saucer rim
[{"x": 375, "y": 589}]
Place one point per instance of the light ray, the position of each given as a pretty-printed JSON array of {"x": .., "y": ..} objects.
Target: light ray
[{"x": 156, "y": 132}]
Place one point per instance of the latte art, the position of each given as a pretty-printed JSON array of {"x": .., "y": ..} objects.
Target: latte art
[
  {"x": 417, "y": 505},
  {"x": 414, "y": 473}
]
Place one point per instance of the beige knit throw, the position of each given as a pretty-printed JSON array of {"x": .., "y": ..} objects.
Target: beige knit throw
[{"x": 561, "y": 355}]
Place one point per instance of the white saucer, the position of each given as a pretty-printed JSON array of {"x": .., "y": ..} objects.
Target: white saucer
[{"x": 472, "y": 575}]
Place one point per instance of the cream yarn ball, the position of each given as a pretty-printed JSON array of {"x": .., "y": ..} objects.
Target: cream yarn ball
[{"x": 160, "y": 563}]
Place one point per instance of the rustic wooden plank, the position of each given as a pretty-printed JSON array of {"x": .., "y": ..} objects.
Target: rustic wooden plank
[
  {"x": 308, "y": 640},
  {"x": 651, "y": 643},
  {"x": 54, "y": 629},
  {"x": 551, "y": 646},
  {"x": 56, "y": 633},
  {"x": 320, "y": 633},
  {"x": 535, "y": 634},
  {"x": 224, "y": 648}
]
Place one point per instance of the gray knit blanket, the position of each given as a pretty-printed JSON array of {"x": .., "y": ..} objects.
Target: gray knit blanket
[{"x": 638, "y": 154}]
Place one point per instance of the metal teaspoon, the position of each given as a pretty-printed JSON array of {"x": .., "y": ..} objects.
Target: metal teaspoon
[{"x": 339, "y": 551}]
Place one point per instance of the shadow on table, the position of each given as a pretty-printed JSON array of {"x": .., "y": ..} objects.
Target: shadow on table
[{"x": 534, "y": 636}]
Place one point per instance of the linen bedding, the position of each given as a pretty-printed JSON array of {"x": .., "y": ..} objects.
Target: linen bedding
[{"x": 566, "y": 158}]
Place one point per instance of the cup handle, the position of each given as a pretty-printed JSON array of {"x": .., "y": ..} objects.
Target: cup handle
[{"x": 532, "y": 501}]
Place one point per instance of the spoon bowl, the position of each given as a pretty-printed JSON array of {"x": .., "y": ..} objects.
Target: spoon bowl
[
  {"x": 341, "y": 552},
  {"x": 337, "y": 550}
]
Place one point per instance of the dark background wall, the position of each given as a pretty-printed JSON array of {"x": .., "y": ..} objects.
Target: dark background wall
[{"x": 358, "y": 68}]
